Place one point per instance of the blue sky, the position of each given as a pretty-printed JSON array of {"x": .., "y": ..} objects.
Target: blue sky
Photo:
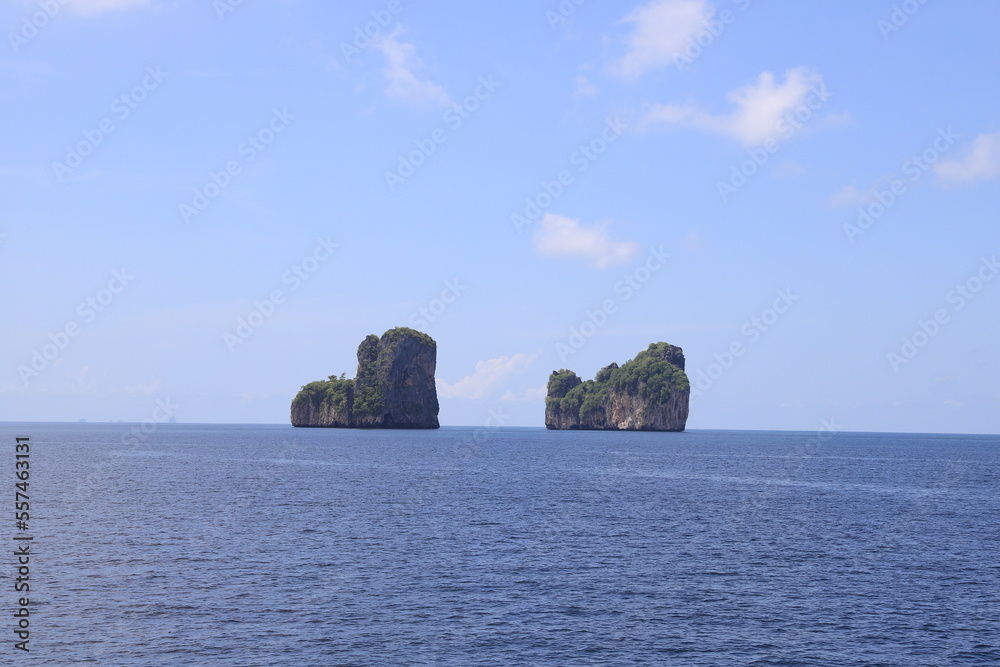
[{"x": 211, "y": 204}]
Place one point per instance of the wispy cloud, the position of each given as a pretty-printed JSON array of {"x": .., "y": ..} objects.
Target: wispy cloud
[
  {"x": 487, "y": 373},
  {"x": 98, "y": 6},
  {"x": 401, "y": 81},
  {"x": 849, "y": 195},
  {"x": 661, "y": 31},
  {"x": 583, "y": 87},
  {"x": 145, "y": 389},
  {"x": 981, "y": 162},
  {"x": 761, "y": 112},
  {"x": 694, "y": 241},
  {"x": 558, "y": 236},
  {"x": 525, "y": 395}
]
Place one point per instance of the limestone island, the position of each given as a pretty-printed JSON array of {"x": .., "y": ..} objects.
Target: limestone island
[
  {"x": 648, "y": 393},
  {"x": 394, "y": 387}
]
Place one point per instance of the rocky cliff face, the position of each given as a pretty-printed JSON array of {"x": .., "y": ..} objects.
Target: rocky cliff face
[
  {"x": 394, "y": 387},
  {"x": 648, "y": 393}
]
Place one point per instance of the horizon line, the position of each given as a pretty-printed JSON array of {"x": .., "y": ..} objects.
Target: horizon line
[{"x": 497, "y": 428}]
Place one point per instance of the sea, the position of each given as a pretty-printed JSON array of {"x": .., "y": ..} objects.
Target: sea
[{"x": 169, "y": 544}]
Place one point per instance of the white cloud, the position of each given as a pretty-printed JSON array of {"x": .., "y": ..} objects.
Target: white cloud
[
  {"x": 789, "y": 169},
  {"x": 401, "y": 81},
  {"x": 849, "y": 195},
  {"x": 486, "y": 374},
  {"x": 145, "y": 389},
  {"x": 761, "y": 108},
  {"x": 584, "y": 87},
  {"x": 981, "y": 162},
  {"x": 694, "y": 241},
  {"x": 530, "y": 394},
  {"x": 662, "y": 31},
  {"x": 557, "y": 236},
  {"x": 97, "y": 6}
]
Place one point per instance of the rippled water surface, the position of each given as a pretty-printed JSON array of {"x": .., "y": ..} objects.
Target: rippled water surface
[{"x": 267, "y": 545}]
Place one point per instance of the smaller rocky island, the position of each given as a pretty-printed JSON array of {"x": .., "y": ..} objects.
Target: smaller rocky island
[
  {"x": 394, "y": 387},
  {"x": 648, "y": 393}
]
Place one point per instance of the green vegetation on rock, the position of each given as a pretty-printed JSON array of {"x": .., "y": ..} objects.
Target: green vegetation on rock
[
  {"x": 581, "y": 399},
  {"x": 653, "y": 386},
  {"x": 394, "y": 387},
  {"x": 650, "y": 377},
  {"x": 593, "y": 398},
  {"x": 310, "y": 394},
  {"x": 338, "y": 391},
  {"x": 369, "y": 400},
  {"x": 560, "y": 382},
  {"x": 393, "y": 335}
]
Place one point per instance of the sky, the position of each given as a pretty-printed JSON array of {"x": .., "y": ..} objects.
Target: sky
[{"x": 208, "y": 204}]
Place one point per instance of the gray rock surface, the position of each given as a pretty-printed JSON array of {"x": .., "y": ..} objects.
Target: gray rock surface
[
  {"x": 648, "y": 393},
  {"x": 394, "y": 387}
]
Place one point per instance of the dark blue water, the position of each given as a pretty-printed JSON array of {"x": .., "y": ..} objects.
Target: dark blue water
[{"x": 249, "y": 545}]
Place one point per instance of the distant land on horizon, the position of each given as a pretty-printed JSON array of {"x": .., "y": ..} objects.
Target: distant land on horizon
[{"x": 541, "y": 427}]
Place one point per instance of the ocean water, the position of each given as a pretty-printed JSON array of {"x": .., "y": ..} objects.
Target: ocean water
[{"x": 268, "y": 545}]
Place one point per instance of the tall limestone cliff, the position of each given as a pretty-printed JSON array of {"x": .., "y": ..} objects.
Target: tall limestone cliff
[
  {"x": 648, "y": 393},
  {"x": 394, "y": 387}
]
